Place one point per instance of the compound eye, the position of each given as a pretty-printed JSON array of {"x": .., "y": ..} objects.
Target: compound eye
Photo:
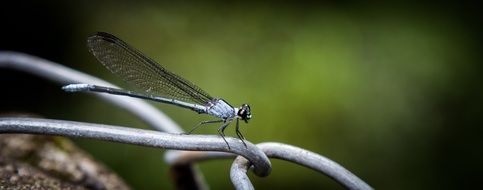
[
  {"x": 246, "y": 107},
  {"x": 244, "y": 112}
]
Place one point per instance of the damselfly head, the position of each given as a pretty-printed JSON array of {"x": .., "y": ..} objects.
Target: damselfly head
[{"x": 244, "y": 113}]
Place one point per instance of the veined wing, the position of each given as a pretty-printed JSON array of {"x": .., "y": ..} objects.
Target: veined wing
[{"x": 136, "y": 68}]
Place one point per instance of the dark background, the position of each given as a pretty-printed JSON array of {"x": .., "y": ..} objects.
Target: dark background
[{"x": 392, "y": 91}]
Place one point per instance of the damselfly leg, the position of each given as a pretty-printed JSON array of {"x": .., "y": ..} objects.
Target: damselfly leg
[
  {"x": 203, "y": 123},
  {"x": 239, "y": 134},
  {"x": 221, "y": 131}
]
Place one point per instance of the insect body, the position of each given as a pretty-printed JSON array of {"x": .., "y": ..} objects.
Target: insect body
[{"x": 158, "y": 83}]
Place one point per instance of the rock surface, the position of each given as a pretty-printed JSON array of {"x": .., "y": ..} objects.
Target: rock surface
[{"x": 48, "y": 162}]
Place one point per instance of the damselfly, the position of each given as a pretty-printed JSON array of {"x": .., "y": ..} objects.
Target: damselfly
[{"x": 158, "y": 83}]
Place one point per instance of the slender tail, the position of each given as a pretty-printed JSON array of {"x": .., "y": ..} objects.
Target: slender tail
[
  {"x": 78, "y": 87},
  {"x": 115, "y": 91},
  {"x": 95, "y": 88}
]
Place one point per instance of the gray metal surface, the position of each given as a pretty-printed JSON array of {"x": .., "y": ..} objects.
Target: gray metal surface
[
  {"x": 281, "y": 151},
  {"x": 137, "y": 136},
  {"x": 299, "y": 156}
]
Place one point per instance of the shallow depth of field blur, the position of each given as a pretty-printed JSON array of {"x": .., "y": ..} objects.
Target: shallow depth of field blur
[{"x": 390, "y": 91}]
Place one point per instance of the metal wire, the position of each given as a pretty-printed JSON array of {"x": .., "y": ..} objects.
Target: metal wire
[
  {"x": 137, "y": 136},
  {"x": 281, "y": 151},
  {"x": 299, "y": 156}
]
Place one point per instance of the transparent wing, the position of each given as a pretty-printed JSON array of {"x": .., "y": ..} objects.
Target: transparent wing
[{"x": 141, "y": 71}]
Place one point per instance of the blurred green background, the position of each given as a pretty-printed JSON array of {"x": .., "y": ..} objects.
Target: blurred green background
[{"x": 391, "y": 90}]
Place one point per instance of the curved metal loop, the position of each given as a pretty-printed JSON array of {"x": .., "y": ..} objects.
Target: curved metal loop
[
  {"x": 274, "y": 150},
  {"x": 299, "y": 156},
  {"x": 238, "y": 174},
  {"x": 137, "y": 136}
]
